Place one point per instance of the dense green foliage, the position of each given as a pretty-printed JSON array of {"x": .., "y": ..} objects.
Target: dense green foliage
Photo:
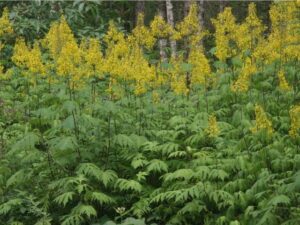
[
  {"x": 74, "y": 160},
  {"x": 81, "y": 157}
]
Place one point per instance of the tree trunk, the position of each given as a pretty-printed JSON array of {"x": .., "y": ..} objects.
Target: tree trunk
[
  {"x": 201, "y": 17},
  {"x": 170, "y": 19},
  {"x": 162, "y": 42},
  {"x": 221, "y": 5},
  {"x": 186, "y": 7},
  {"x": 201, "y": 14},
  {"x": 139, "y": 8}
]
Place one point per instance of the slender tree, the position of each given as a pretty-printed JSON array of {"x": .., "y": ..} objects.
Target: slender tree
[
  {"x": 162, "y": 42},
  {"x": 201, "y": 13},
  {"x": 201, "y": 17},
  {"x": 186, "y": 7},
  {"x": 221, "y": 5},
  {"x": 139, "y": 8},
  {"x": 170, "y": 19}
]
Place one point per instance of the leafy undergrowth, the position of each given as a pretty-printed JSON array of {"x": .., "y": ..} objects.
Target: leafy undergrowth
[
  {"x": 211, "y": 143},
  {"x": 75, "y": 161}
]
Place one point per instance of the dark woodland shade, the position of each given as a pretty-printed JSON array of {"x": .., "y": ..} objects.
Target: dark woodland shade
[{"x": 32, "y": 19}]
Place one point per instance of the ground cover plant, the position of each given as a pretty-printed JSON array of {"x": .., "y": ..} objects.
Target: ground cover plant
[{"x": 110, "y": 130}]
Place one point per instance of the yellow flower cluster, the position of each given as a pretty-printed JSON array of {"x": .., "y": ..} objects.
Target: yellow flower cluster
[
  {"x": 125, "y": 61},
  {"x": 139, "y": 70},
  {"x": 295, "y": 121},
  {"x": 142, "y": 34},
  {"x": 283, "y": 84},
  {"x": 243, "y": 81},
  {"x": 93, "y": 56},
  {"x": 283, "y": 42},
  {"x": 5, "y": 24},
  {"x": 190, "y": 27},
  {"x": 69, "y": 59},
  {"x": 201, "y": 71},
  {"x": 28, "y": 58},
  {"x": 225, "y": 33},
  {"x": 5, "y": 28},
  {"x": 113, "y": 35},
  {"x": 58, "y": 36},
  {"x": 212, "y": 130},
  {"x": 20, "y": 53},
  {"x": 262, "y": 122},
  {"x": 126, "y": 65},
  {"x": 160, "y": 28},
  {"x": 73, "y": 61},
  {"x": 178, "y": 76},
  {"x": 249, "y": 33},
  {"x": 117, "y": 49}
]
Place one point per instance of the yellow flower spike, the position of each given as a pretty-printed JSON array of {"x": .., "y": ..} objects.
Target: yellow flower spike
[
  {"x": 284, "y": 37},
  {"x": 70, "y": 64},
  {"x": 93, "y": 57},
  {"x": 113, "y": 34},
  {"x": 201, "y": 71},
  {"x": 212, "y": 130},
  {"x": 139, "y": 70},
  {"x": 125, "y": 61},
  {"x": 295, "y": 121},
  {"x": 225, "y": 31},
  {"x": 58, "y": 36},
  {"x": 262, "y": 122},
  {"x": 190, "y": 23},
  {"x": 5, "y": 24},
  {"x": 251, "y": 29},
  {"x": 190, "y": 27},
  {"x": 177, "y": 76},
  {"x": 29, "y": 59},
  {"x": 283, "y": 84},
  {"x": 160, "y": 28},
  {"x": 21, "y": 53},
  {"x": 117, "y": 51},
  {"x": 142, "y": 34},
  {"x": 35, "y": 64},
  {"x": 243, "y": 81}
]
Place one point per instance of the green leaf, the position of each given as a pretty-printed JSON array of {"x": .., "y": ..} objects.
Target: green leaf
[
  {"x": 7, "y": 206},
  {"x": 92, "y": 170},
  {"x": 72, "y": 220},
  {"x": 123, "y": 140},
  {"x": 64, "y": 198},
  {"x": 86, "y": 210},
  {"x": 139, "y": 161},
  {"x": 183, "y": 174},
  {"x": 157, "y": 166},
  {"x": 128, "y": 185},
  {"x": 279, "y": 199},
  {"x": 101, "y": 198},
  {"x": 44, "y": 221},
  {"x": 193, "y": 207}
]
